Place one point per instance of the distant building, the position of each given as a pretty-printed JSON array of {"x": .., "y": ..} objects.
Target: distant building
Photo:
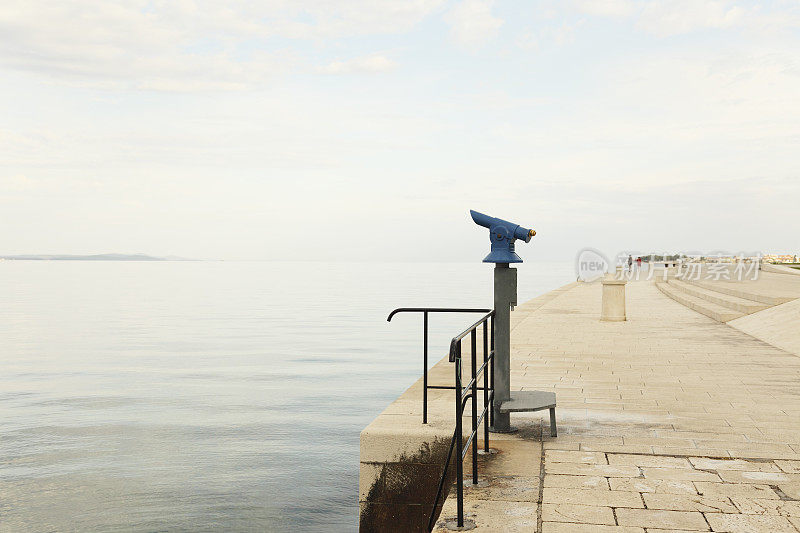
[{"x": 781, "y": 258}]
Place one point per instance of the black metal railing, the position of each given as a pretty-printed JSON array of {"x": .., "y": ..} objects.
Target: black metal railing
[
  {"x": 425, "y": 311},
  {"x": 470, "y": 391},
  {"x": 463, "y": 394}
]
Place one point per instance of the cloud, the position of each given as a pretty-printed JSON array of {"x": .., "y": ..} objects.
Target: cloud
[
  {"x": 360, "y": 65},
  {"x": 665, "y": 18},
  {"x": 606, "y": 8},
  {"x": 552, "y": 35},
  {"x": 472, "y": 23},
  {"x": 185, "y": 45}
]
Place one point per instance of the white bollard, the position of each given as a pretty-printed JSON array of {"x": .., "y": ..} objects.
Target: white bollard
[{"x": 613, "y": 300}]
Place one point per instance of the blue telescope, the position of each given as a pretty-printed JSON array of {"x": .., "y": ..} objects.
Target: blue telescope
[{"x": 502, "y": 235}]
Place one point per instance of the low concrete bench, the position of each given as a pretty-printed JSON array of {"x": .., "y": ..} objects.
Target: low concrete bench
[{"x": 532, "y": 400}]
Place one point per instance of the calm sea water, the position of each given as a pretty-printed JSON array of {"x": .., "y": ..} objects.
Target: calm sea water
[{"x": 194, "y": 396}]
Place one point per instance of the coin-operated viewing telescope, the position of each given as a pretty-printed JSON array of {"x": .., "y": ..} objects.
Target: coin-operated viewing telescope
[{"x": 502, "y": 235}]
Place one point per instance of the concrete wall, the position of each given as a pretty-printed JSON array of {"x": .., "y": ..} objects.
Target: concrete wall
[{"x": 402, "y": 460}]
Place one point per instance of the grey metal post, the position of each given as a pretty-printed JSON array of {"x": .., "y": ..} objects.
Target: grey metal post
[{"x": 505, "y": 295}]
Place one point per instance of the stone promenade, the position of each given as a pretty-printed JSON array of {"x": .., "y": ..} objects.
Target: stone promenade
[{"x": 670, "y": 421}]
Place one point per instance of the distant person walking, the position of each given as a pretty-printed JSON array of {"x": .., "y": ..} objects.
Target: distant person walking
[
  {"x": 630, "y": 263},
  {"x": 638, "y": 263}
]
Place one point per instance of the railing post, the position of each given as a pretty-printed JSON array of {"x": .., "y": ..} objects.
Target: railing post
[
  {"x": 486, "y": 407},
  {"x": 491, "y": 367},
  {"x": 425, "y": 370},
  {"x": 459, "y": 443},
  {"x": 474, "y": 349}
]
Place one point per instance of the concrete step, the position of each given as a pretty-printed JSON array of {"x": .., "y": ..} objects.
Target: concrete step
[
  {"x": 780, "y": 269},
  {"x": 740, "y": 291},
  {"x": 742, "y": 305},
  {"x": 711, "y": 310}
]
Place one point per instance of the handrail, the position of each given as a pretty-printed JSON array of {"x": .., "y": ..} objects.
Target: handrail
[
  {"x": 478, "y": 372},
  {"x": 434, "y": 310},
  {"x": 464, "y": 333},
  {"x": 463, "y": 394},
  {"x": 425, "y": 311}
]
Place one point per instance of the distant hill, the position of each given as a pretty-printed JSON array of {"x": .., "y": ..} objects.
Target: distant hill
[{"x": 96, "y": 257}]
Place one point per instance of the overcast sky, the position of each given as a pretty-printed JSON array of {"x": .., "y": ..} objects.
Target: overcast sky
[{"x": 366, "y": 129}]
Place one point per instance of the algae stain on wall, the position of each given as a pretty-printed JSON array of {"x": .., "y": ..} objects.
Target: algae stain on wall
[{"x": 402, "y": 495}]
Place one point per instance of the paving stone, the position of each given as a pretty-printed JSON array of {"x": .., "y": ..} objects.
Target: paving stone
[
  {"x": 493, "y": 516},
  {"x": 690, "y": 452},
  {"x": 618, "y": 448},
  {"x": 515, "y": 458},
  {"x": 660, "y": 486},
  {"x": 575, "y": 482},
  {"x": 792, "y": 489},
  {"x": 683, "y": 474},
  {"x": 556, "y": 444},
  {"x": 648, "y": 460},
  {"x": 790, "y": 467},
  {"x": 504, "y": 488},
  {"x": 560, "y": 456},
  {"x": 577, "y": 469},
  {"x": 768, "y": 478},
  {"x": 595, "y": 440},
  {"x": 676, "y": 502},
  {"x": 602, "y": 498},
  {"x": 560, "y": 527},
  {"x": 768, "y": 507},
  {"x": 658, "y": 530},
  {"x": 582, "y": 514},
  {"x": 731, "y": 490},
  {"x": 742, "y": 523},
  {"x": 763, "y": 451},
  {"x": 704, "y": 463},
  {"x": 687, "y": 520},
  {"x": 660, "y": 441}
]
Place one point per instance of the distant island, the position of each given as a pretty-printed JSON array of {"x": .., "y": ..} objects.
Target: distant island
[{"x": 96, "y": 257}]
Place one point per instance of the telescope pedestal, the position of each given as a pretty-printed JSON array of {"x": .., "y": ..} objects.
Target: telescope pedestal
[
  {"x": 506, "y": 402},
  {"x": 505, "y": 295}
]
